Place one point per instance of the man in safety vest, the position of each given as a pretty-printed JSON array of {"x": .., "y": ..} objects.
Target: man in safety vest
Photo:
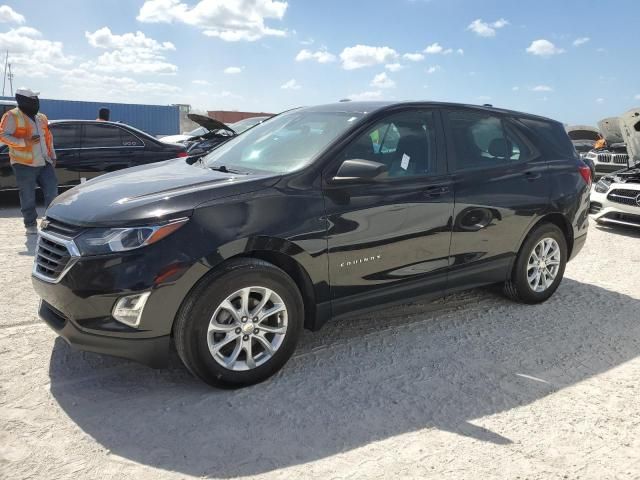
[{"x": 31, "y": 153}]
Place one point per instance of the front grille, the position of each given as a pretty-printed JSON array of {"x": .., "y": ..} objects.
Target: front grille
[
  {"x": 55, "y": 255},
  {"x": 615, "y": 158},
  {"x": 50, "y": 225},
  {"x": 624, "y": 196}
]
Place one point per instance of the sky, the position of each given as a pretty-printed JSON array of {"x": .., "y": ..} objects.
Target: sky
[{"x": 575, "y": 61}]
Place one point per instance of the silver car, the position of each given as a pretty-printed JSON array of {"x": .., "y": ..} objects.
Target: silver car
[{"x": 615, "y": 199}]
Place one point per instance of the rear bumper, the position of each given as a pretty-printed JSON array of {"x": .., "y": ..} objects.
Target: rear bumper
[{"x": 149, "y": 351}]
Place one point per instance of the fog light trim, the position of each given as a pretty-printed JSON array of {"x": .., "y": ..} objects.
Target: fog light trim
[{"x": 128, "y": 310}]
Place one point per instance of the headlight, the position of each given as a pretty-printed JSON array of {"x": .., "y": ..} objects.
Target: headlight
[
  {"x": 100, "y": 241},
  {"x": 602, "y": 187}
]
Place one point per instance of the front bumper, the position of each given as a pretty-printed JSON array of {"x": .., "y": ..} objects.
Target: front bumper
[
  {"x": 604, "y": 211},
  {"x": 149, "y": 351}
]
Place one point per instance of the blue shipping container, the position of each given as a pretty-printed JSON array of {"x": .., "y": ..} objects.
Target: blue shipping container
[{"x": 153, "y": 119}]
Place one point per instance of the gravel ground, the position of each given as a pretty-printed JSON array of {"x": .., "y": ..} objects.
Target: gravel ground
[{"x": 470, "y": 386}]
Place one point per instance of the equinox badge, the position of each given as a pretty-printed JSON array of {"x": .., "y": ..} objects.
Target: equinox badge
[{"x": 349, "y": 263}]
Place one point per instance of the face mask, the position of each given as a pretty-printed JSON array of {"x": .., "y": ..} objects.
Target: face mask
[{"x": 28, "y": 105}]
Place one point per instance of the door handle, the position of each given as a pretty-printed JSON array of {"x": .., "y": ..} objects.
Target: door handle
[
  {"x": 531, "y": 176},
  {"x": 435, "y": 191}
]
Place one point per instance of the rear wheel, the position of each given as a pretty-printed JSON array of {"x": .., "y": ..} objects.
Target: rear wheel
[
  {"x": 240, "y": 326},
  {"x": 540, "y": 265}
]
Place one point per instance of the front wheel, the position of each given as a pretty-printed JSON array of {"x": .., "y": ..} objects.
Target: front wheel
[
  {"x": 540, "y": 265},
  {"x": 240, "y": 326}
]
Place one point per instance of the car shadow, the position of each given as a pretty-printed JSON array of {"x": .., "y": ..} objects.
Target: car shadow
[
  {"x": 620, "y": 230},
  {"x": 440, "y": 365}
]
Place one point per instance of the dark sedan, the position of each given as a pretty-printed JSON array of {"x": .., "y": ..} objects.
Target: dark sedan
[{"x": 87, "y": 148}]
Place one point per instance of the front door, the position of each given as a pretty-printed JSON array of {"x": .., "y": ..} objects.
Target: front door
[
  {"x": 389, "y": 239},
  {"x": 66, "y": 141}
]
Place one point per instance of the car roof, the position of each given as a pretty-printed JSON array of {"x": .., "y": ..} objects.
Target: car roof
[
  {"x": 102, "y": 122},
  {"x": 370, "y": 107}
]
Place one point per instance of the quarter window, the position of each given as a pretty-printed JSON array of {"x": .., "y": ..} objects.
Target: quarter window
[{"x": 404, "y": 142}]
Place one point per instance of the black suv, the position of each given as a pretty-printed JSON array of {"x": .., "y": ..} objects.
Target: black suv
[
  {"x": 88, "y": 148},
  {"x": 315, "y": 213}
]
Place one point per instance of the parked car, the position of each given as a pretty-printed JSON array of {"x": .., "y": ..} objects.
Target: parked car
[
  {"x": 614, "y": 155},
  {"x": 615, "y": 199},
  {"x": 317, "y": 213},
  {"x": 630, "y": 129},
  {"x": 584, "y": 138},
  {"x": 6, "y": 105},
  {"x": 88, "y": 148}
]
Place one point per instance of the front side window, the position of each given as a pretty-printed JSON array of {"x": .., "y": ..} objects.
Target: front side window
[
  {"x": 285, "y": 143},
  {"x": 404, "y": 142}
]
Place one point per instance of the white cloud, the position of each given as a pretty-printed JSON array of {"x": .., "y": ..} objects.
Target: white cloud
[
  {"x": 321, "y": 56},
  {"x": 637, "y": 97},
  {"x": 233, "y": 70},
  {"x": 205, "y": 83},
  {"x": 600, "y": 100},
  {"x": 97, "y": 86},
  {"x": 291, "y": 85},
  {"x": 9, "y": 15},
  {"x": 393, "y": 67},
  {"x": 437, "y": 49},
  {"x": 543, "y": 48},
  {"x": 364, "y": 96},
  {"x": 460, "y": 51},
  {"x": 31, "y": 55},
  {"x": 485, "y": 29},
  {"x": 381, "y": 80},
  {"x": 542, "y": 88},
  {"x": 229, "y": 20},
  {"x": 515, "y": 89},
  {"x": 433, "y": 69},
  {"x": 129, "y": 52},
  {"x": 366, "y": 56},
  {"x": 580, "y": 41},
  {"x": 413, "y": 57}
]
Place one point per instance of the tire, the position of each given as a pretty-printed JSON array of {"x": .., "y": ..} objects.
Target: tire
[
  {"x": 518, "y": 287},
  {"x": 200, "y": 338}
]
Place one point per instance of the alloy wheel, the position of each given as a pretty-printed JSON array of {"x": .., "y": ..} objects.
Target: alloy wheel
[
  {"x": 247, "y": 328},
  {"x": 543, "y": 264}
]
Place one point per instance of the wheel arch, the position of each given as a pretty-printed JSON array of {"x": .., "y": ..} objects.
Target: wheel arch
[{"x": 558, "y": 220}]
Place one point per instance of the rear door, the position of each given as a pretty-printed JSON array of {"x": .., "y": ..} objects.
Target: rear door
[
  {"x": 107, "y": 148},
  {"x": 389, "y": 239},
  {"x": 501, "y": 186}
]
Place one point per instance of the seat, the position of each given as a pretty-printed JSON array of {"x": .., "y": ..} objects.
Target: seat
[
  {"x": 501, "y": 148},
  {"x": 416, "y": 147}
]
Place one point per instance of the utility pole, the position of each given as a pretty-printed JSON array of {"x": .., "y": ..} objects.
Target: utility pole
[
  {"x": 4, "y": 76},
  {"x": 10, "y": 75}
]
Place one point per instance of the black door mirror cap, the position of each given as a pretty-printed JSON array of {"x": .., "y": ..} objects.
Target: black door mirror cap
[{"x": 360, "y": 170}]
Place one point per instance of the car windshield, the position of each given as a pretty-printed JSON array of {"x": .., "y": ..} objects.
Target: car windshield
[
  {"x": 285, "y": 143},
  {"x": 242, "y": 125},
  {"x": 197, "y": 132}
]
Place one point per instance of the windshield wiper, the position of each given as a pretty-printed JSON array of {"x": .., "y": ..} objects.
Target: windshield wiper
[{"x": 224, "y": 169}]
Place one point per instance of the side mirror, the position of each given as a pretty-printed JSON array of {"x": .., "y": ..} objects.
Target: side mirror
[{"x": 360, "y": 170}]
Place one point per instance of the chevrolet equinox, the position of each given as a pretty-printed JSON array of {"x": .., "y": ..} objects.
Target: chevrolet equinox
[{"x": 316, "y": 213}]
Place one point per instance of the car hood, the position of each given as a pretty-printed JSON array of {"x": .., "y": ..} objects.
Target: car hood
[
  {"x": 150, "y": 193},
  {"x": 610, "y": 129},
  {"x": 209, "y": 123},
  {"x": 582, "y": 132}
]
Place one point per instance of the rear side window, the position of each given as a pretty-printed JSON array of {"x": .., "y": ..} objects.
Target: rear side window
[
  {"x": 96, "y": 136},
  {"x": 552, "y": 136},
  {"x": 65, "y": 136},
  {"x": 481, "y": 140},
  {"x": 129, "y": 140}
]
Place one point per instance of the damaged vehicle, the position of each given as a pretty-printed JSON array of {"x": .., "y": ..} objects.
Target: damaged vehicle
[
  {"x": 630, "y": 129},
  {"x": 615, "y": 199},
  {"x": 613, "y": 156}
]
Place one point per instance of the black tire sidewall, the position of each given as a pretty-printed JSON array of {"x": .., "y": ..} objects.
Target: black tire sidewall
[
  {"x": 525, "y": 293},
  {"x": 202, "y": 362}
]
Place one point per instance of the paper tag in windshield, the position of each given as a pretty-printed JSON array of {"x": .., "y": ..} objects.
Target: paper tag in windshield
[{"x": 405, "y": 161}]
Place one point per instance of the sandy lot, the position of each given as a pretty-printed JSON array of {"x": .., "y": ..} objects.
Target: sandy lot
[{"x": 471, "y": 386}]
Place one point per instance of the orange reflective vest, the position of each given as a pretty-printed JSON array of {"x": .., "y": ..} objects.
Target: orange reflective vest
[{"x": 19, "y": 153}]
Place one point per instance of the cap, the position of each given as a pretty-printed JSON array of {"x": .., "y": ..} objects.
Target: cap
[{"x": 27, "y": 92}]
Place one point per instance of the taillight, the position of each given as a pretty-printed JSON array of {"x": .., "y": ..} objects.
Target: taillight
[
  {"x": 585, "y": 171},
  {"x": 182, "y": 154}
]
